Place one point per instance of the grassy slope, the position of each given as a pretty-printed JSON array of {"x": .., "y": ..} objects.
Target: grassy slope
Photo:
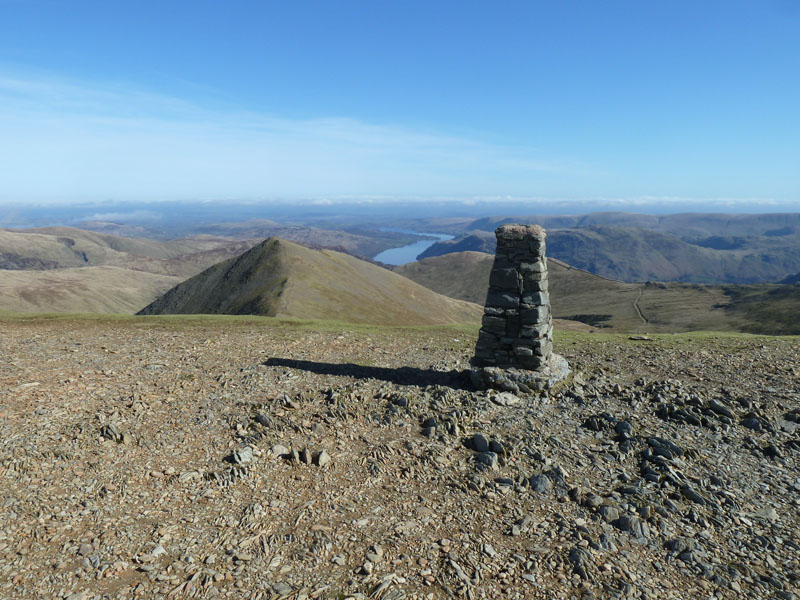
[
  {"x": 89, "y": 289},
  {"x": 284, "y": 279},
  {"x": 67, "y": 247},
  {"x": 72, "y": 270},
  {"x": 773, "y": 309},
  {"x": 611, "y": 305}
]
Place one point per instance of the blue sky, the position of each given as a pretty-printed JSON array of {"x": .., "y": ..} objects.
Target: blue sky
[{"x": 664, "y": 101}]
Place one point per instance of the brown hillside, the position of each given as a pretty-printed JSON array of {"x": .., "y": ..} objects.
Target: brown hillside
[
  {"x": 85, "y": 290},
  {"x": 604, "y": 303},
  {"x": 280, "y": 278},
  {"x": 68, "y": 247}
]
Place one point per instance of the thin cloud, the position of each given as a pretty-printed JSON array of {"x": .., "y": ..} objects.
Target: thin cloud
[{"x": 68, "y": 141}]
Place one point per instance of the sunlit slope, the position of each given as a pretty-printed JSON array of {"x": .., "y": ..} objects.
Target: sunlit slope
[
  {"x": 280, "y": 278},
  {"x": 80, "y": 290},
  {"x": 67, "y": 247},
  {"x": 606, "y": 304}
]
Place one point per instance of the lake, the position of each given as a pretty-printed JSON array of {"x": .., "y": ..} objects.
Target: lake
[{"x": 408, "y": 253}]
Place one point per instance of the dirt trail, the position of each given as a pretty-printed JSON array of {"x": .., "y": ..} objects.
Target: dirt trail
[{"x": 636, "y": 306}]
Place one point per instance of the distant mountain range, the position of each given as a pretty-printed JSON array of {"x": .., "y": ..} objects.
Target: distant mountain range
[
  {"x": 700, "y": 248},
  {"x": 71, "y": 270}
]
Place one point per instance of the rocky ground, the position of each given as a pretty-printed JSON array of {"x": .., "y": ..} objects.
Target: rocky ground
[{"x": 244, "y": 458}]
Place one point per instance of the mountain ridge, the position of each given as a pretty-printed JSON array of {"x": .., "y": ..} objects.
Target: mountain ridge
[
  {"x": 637, "y": 255},
  {"x": 284, "y": 279}
]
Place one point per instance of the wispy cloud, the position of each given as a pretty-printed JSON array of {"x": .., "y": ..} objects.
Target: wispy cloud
[{"x": 74, "y": 141}]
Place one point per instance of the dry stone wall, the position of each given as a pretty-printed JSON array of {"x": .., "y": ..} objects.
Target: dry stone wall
[{"x": 514, "y": 351}]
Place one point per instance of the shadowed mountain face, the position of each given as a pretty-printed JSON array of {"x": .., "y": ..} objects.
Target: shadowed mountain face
[
  {"x": 280, "y": 278},
  {"x": 639, "y": 254}
]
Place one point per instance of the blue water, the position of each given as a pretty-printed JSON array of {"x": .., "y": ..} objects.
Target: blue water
[{"x": 407, "y": 254}]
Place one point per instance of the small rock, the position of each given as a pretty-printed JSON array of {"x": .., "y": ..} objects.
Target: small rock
[
  {"x": 282, "y": 589},
  {"x": 633, "y": 525},
  {"x": 487, "y": 458},
  {"x": 497, "y": 447},
  {"x": 111, "y": 432},
  {"x": 505, "y": 399},
  {"x": 769, "y": 514},
  {"x": 582, "y": 562},
  {"x": 690, "y": 494},
  {"x": 158, "y": 551},
  {"x": 322, "y": 458},
  {"x": 752, "y": 423},
  {"x": 541, "y": 484},
  {"x": 720, "y": 409},
  {"x": 375, "y": 554},
  {"x": 242, "y": 456},
  {"x": 429, "y": 422},
  {"x": 608, "y": 512},
  {"x": 479, "y": 443},
  {"x": 624, "y": 429},
  {"x": 279, "y": 450}
]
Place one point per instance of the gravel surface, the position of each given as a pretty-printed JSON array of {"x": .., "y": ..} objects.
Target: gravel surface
[{"x": 179, "y": 458}]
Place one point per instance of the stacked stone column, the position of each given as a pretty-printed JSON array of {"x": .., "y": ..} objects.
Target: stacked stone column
[{"x": 514, "y": 351}]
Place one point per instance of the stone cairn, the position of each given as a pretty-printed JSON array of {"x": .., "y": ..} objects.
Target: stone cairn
[{"x": 514, "y": 352}]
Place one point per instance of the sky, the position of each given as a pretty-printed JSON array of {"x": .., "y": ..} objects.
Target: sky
[{"x": 684, "y": 102}]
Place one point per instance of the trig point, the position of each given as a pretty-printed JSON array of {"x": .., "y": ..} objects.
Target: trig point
[{"x": 514, "y": 352}]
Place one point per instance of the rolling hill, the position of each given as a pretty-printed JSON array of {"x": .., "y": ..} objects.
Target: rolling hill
[
  {"x": 103, "y": 289},
  {"x": 284, "y": 279},
  {"x": 68, "y": 247},
  {"x": 578, "y": 295}
]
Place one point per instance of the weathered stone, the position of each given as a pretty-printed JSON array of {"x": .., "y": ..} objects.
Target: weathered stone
[
  {"x": 479, "y": 443},
  {"x": 500, "y": 299},
  {"x": 322, "y": 458},
  {"x": 534, "y": 285},
  {"x": 517, "y": 357},
  {"x": 528, "y": 268},
  {"x": 506, "y": 279},
  {"x": 536, "y": 299},
  {"x": 541, "y": 484},
  {"x": 535, "y": 315},
  {"x": 487, "y": 458}
]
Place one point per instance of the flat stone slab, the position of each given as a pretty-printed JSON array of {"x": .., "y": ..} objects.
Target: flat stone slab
[{"x": 514, "y": 380}]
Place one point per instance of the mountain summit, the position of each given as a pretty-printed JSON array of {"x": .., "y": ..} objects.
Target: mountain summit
[{"x": 277, "y": 278}]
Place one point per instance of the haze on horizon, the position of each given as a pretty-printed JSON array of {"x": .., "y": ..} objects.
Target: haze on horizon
[{"x": 618, "y": 103}]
